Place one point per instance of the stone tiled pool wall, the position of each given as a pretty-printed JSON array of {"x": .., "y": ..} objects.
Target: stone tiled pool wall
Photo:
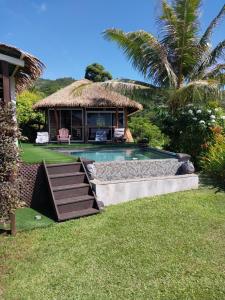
[{"x": 120, "y": 170}]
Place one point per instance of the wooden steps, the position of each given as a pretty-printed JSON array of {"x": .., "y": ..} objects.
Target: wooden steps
[{"x": 71, "y": 191}]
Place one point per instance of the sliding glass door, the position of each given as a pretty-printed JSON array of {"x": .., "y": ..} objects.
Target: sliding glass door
[
  {"x": 102, "y": 123},
  {"x": 70, "y": 119}
]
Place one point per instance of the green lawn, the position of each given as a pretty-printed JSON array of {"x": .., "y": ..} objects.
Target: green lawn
[
  {"x": 166, "y": 247},
  {"x": 35, "y": 154}
]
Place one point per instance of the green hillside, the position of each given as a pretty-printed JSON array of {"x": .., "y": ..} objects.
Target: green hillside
[{"x": 48, "y": 86}]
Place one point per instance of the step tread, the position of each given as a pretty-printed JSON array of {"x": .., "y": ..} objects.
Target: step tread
[
  {"x": 69, "y": 186},
  {"x": 64, "y": 164},
  {"x": 78, "y": 213},
  {"x": 74, "y": 199},
  {"x": 66, "y": 174}
]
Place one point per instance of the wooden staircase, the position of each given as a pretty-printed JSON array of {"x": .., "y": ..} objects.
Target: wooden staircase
[{"x": 71, "y": 190}]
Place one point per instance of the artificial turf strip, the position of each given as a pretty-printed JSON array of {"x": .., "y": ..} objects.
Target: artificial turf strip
[
  {"x": 166, "y": 247},
  {"x": 25, "y": 219},
  {"x": 36, "y": 154}
]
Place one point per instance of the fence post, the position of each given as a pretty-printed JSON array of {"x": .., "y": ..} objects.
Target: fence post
[{"x": 13, "y": 224}]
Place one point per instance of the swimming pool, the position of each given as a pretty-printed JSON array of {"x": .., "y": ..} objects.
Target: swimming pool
[{"x": 115, "y": 154}]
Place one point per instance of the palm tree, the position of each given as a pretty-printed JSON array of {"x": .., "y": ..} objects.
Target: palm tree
[{"x": 180, "y": 63}]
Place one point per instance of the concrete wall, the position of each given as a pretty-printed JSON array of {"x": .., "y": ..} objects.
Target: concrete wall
[{"x": 113, "y": 192}]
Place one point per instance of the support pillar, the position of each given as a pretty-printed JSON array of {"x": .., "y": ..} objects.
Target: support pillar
[
  {"x": 6, "y": 82},
  {"x": 56, "y": 121},
  {"x": 117, "y": 118}
]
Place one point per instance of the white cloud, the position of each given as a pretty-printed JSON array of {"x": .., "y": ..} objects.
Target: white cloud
[{"x": 41, "y": 8}]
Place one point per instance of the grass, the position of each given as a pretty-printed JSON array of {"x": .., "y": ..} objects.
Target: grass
[
  {"x": 35, "y": 154},
  {"x": 165, "y": 247},
  {"x": 25, "y": 219}
]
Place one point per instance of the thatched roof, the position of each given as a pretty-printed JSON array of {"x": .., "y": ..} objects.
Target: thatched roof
[
  {"x": 24, "y": 76},
  {"x": 84, "y": 93}
]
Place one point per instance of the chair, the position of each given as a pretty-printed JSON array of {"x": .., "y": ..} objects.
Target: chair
[
  {"x": 42, "y": 138},
  {"x": 100, "y": 135},
  {"x": 63, "y": 135},
  {"x": 119, "y": 135}
]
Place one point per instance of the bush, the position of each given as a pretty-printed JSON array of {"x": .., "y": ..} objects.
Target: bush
[
  {"x": 9, "y": 163},
  {"x": 142, "y": 128},
  {"x": 190, "y": 129},
  {"x": 29, "y": 121},
  {"x": 213, "y": 162}
]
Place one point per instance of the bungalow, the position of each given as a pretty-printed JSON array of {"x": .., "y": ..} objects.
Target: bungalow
[{"x": 84, "y": 108}]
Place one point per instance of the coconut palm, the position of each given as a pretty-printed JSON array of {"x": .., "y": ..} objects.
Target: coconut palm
[{"x": 181, "y": 60}]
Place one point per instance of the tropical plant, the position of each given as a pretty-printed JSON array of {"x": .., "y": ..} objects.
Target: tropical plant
[
  {"x": 192, "y": 129},
  {"x": 29, "y": 120},
  {"x": 213, "y": 162},
  {"x": 181, "y": 61},
  {"x": 142, "y": 128},
  {"x": 97, "y": 73}
]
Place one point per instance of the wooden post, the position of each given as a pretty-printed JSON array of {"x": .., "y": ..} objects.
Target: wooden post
[
  {"x": 85, "y": 127},
  {"x": 56, "y": 121},
  {"x": 6, "y": 82},
  {"x": 46, "y": 117},
  {"x": 13, "y": 224},
  {"x": 117, "y": 118},
  {"x": 126, "y": 121}
]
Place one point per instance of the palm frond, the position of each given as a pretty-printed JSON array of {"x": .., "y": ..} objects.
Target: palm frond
[
  {"x": 199, "y": 91},
  {"x": 146, "y": 94},
  {"x": 208, "y": 60},
  {"x": 217, "y": 53},
  {"x": 207, "y": 34},
  {"x": 217, "y": 70},
  {"x": 146, "y": 54},
  {"x": 180, "y": 25},
  {"x": 77, "y": 91}
]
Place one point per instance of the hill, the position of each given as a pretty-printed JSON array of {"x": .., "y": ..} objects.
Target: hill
[{"x": 48, "y": 86}]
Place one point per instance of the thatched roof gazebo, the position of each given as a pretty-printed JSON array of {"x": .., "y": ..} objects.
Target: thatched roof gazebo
[
  {"x": 18, "y": 69},
  {"x": 83, "y": 107}
]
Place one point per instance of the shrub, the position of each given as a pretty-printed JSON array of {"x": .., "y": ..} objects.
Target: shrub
[
  {"x": 142, "y": 128},
  {"x": 9, "y": 163},
  {"x": 190, "y": 129},
  {"x": 213, "y": 162},
  {"x": 29, "y": 121}
]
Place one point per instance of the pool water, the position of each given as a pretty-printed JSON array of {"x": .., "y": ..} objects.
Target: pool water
[{"x": 120, "y": 154}]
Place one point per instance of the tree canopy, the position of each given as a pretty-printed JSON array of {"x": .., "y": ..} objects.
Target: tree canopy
[{"x": 97, "y": 73}]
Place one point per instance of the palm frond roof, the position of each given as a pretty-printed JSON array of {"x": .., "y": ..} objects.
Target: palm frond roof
[
  {"x": 24, "y": 76},
  {"x": 83, "y": 93}
]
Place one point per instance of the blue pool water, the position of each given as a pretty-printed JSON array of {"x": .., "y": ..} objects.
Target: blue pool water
[{"x": 120, "y": 154}]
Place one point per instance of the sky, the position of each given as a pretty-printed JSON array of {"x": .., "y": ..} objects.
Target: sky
[{"x": 67, "y": 34}]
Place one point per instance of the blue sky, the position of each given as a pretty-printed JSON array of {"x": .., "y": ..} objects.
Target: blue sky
[{"x": 66, "y": 35}]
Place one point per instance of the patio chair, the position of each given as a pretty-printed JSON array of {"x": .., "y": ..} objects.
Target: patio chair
[
  {"x": 42, "y": 138},
  {"x": 101, "y": 135},
  {"x": 63, "y": 135},
  {"x": 119, "y": 135}
]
